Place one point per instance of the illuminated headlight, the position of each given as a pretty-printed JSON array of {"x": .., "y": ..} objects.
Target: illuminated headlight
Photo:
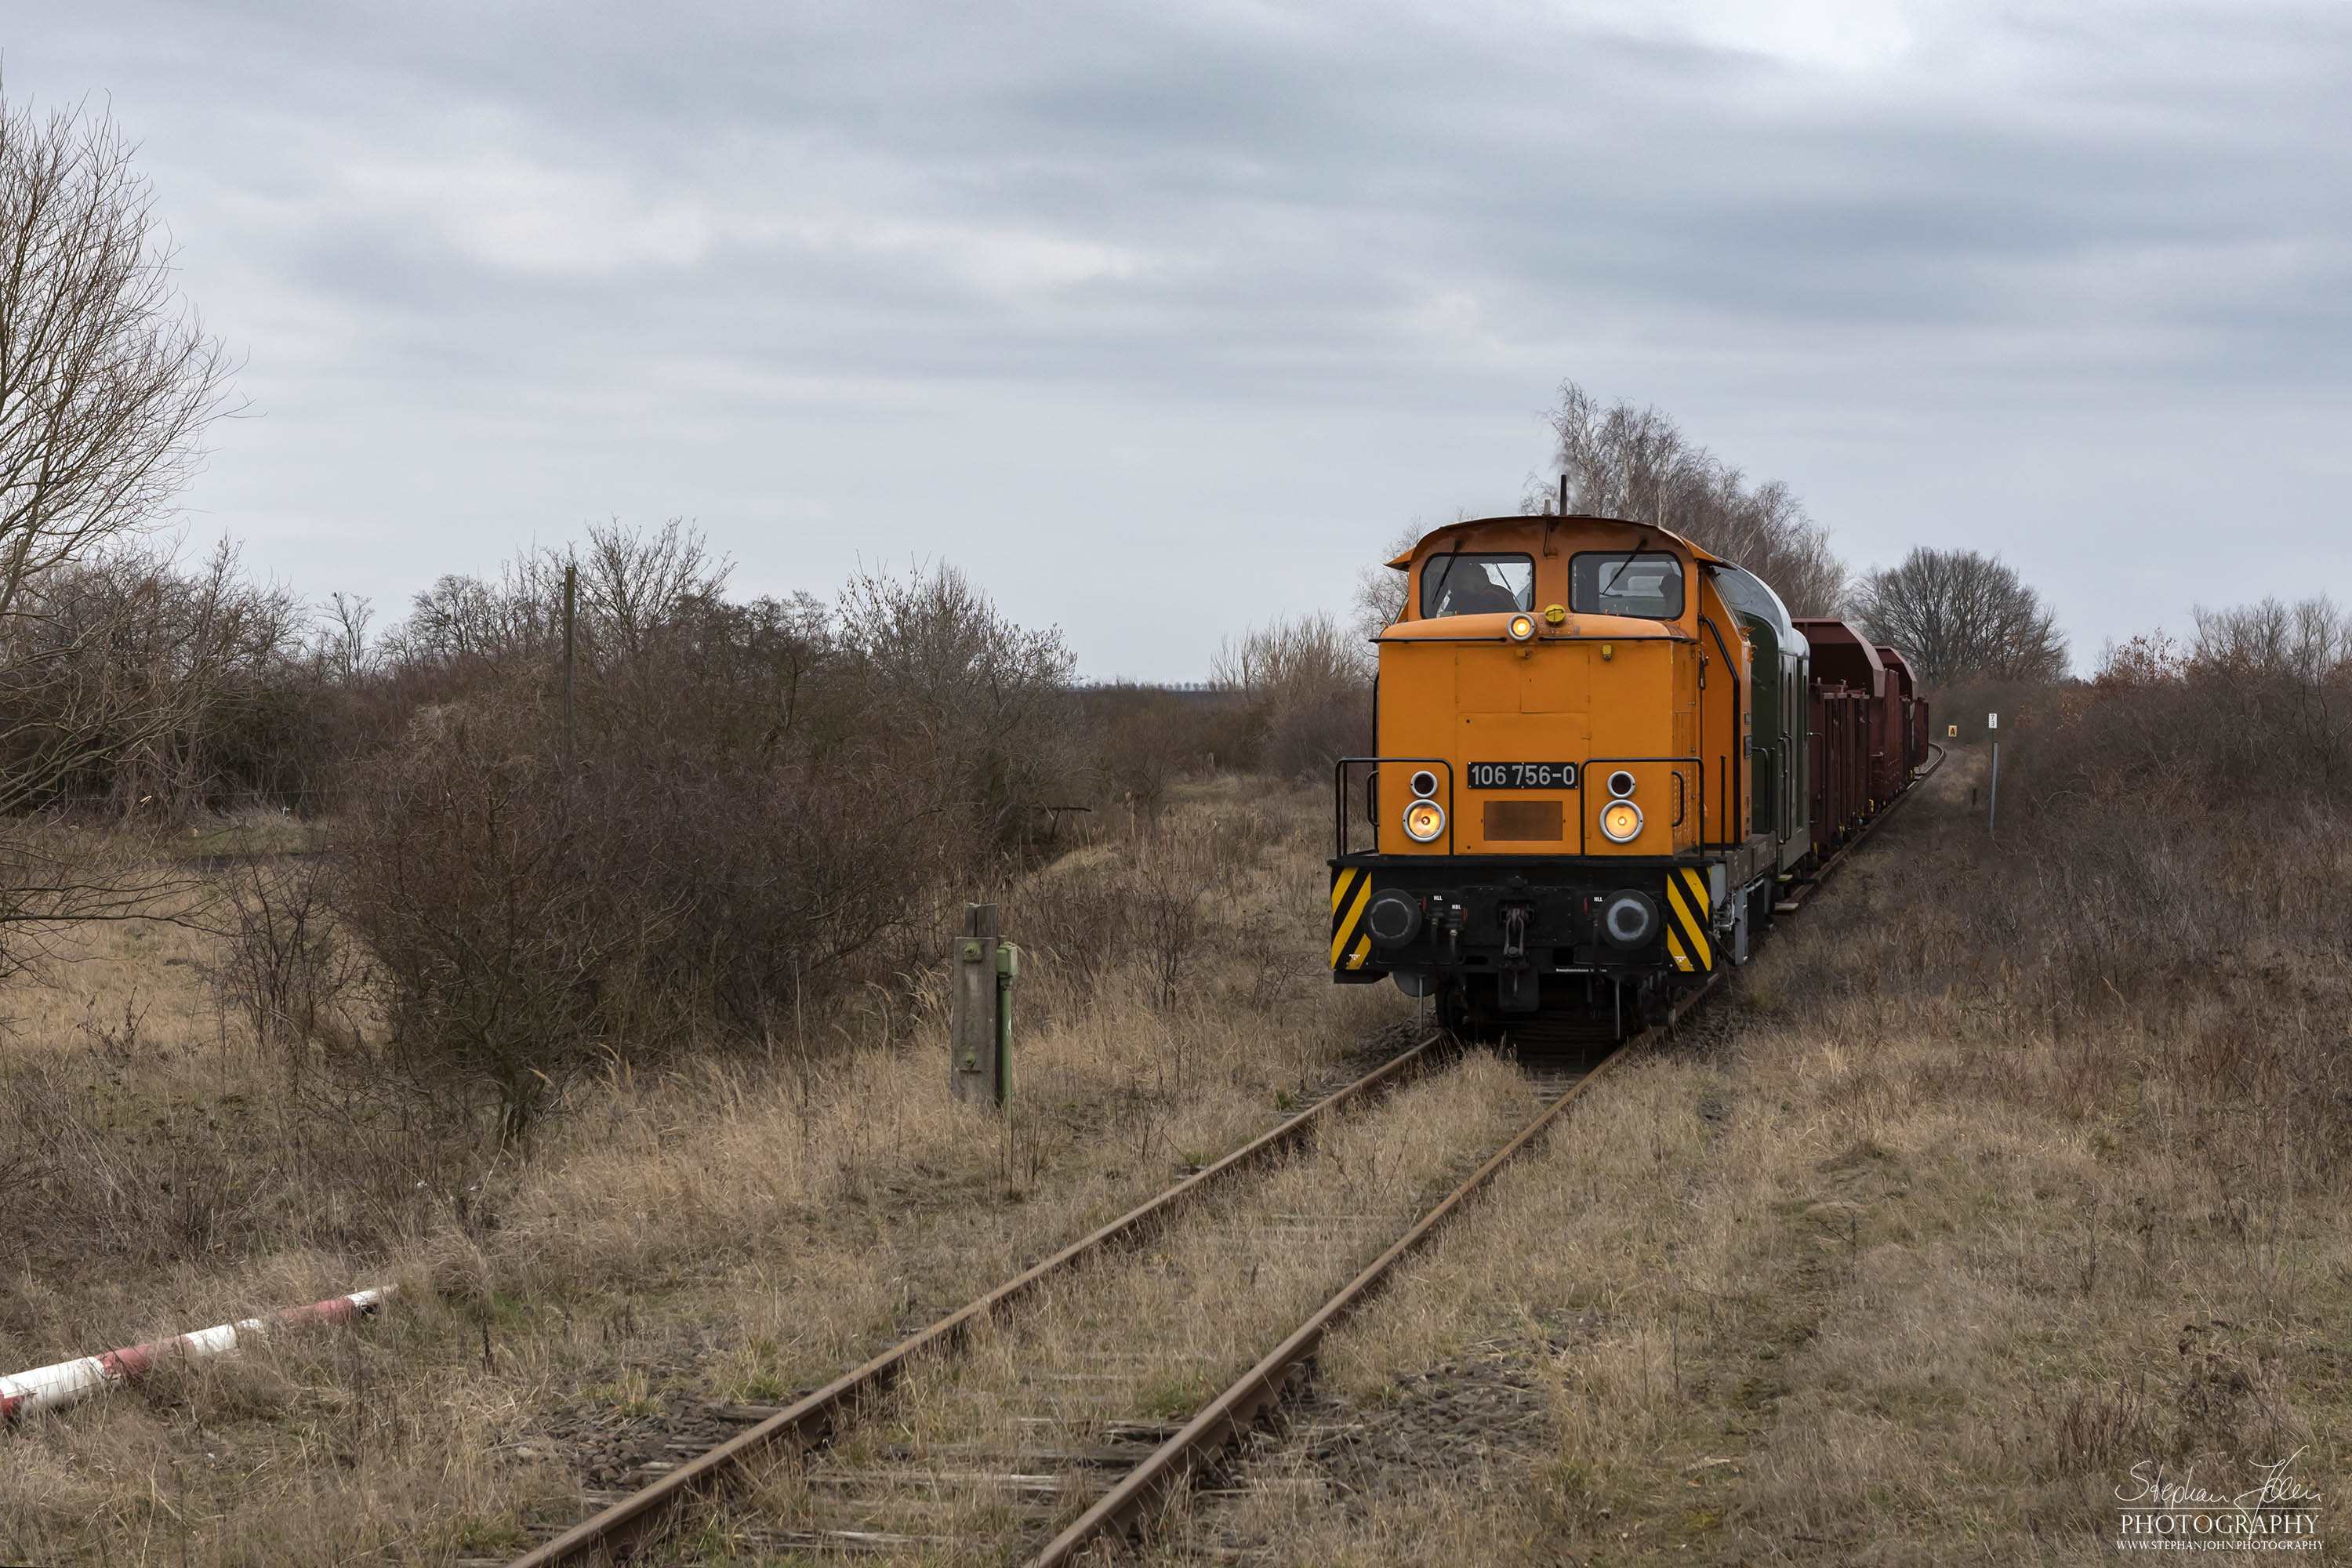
[
  {"x": 1423, "y": 820},
  {"x": 1522, "y": 628},
  {"x": 1620, "y": 821}
]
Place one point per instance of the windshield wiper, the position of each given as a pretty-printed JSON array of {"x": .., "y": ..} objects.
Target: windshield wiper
[
  {"x": 1622, "y": 566},
  {"x": 1442, "y": 576}
]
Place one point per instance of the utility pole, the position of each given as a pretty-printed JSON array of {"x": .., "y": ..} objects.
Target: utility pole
[
  {"x": 570, "y": 588},
  {"x": 1992, "y": 806}
]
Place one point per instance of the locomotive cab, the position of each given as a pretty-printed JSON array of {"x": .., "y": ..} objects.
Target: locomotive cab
[{"x": 1572, "y": 809}]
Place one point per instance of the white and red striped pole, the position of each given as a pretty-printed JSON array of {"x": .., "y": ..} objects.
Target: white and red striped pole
[{"x": 70, "y": 1382}]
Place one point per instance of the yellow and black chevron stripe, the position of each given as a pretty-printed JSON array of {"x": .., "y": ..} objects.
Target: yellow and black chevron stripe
[
  {"x": 1351, "y": 895},
  {"x": 1688, "y": 940}
]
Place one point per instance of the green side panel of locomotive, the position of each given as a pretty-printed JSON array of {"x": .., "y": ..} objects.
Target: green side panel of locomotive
[{"x": 1779, "y": 758}]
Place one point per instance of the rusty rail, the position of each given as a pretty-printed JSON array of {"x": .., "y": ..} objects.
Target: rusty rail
[
  {"x": 809, "y": 1422},
  {"x": 1227, "y": 1417}
]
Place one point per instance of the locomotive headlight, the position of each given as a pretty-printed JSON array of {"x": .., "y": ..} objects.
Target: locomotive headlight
[
  {"x": 1620, "y": 821},
  {"x": 1424, "y": 785},
  {"x": 1522, "y": 628},
  {"x": 1423, "y": 820}
]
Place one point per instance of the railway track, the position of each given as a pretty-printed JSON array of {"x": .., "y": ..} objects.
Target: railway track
[
  {"x": 1055, "y": 1439},
  {"x": 978, "y": 1477},
  {"x": 811, "y": 1422}
]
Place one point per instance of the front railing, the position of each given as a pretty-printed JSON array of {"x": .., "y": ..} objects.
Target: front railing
[{"x": 1369, "y": 769}]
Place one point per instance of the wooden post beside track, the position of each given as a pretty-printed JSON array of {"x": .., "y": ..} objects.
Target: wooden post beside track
[{"x": 976, "y": 1065}]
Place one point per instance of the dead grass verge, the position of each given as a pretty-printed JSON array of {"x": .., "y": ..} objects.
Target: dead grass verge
[
  {"x": 1883, "y": 1266},
  {"x": 734, "y": 1229}
]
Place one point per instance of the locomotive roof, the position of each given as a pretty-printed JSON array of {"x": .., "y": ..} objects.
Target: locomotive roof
[{"x": 1404, "y": 561}]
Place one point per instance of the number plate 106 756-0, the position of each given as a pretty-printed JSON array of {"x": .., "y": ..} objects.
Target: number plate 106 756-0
[{"x": 1521, "y": 775}]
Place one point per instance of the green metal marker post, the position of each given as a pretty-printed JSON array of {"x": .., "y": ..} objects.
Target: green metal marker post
[{"x": 1008, "y": 969}]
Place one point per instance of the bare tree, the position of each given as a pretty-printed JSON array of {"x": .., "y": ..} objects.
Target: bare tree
[
  {"x": 108, "y": 383},
  {"x": 1636, "y": 463},
  {"x": 107, "y": 379},
  {"x": 1381, "y": 589},
  {"x": 635, "y": 583},
  {"x": 342, "y": 645},
  {"x": 1959, "y": 615}
]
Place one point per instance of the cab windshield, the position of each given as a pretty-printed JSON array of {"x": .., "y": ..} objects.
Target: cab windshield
[
  {"x": 1467, "y": 585},
  {"x": 1647, "y": 584}
]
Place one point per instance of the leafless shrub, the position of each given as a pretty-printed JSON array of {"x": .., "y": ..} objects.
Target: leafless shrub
[
  {"x": 1146, "y": 738},
  {"x": 1307, "y": 684},
  {"x": 288, "y": 968},
  {"x": 1175, "y": 873},
  {"x": 495, "y": 919},
  {"x": 981, "y": 705},
  {"x": 527, "y": 924},
  {"x": 758, "y": 795},
  {"x": 132, "y": 687}
]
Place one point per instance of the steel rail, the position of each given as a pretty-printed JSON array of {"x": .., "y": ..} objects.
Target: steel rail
[
  {"x": 1227, "y": 1417},
  {"x": 1231, "y": 1413},
  {"x": 808, "y": 1422}
]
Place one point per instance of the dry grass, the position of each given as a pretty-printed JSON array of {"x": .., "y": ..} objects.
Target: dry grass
[
  {"x": 735, "y": 1230},
  {"x": 1905, "y": 1255},
  {"x": 1152, "y": 1335},
  {"x": 1875, "y": 1268}
]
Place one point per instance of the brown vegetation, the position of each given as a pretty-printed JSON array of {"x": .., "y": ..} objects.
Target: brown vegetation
[
  {"x": 708, "y": 1227},
  {"x": 2012, "y": 1164},
  {"x": 1894, "y": 1254},
  {"x": 1306, "y": 687}
]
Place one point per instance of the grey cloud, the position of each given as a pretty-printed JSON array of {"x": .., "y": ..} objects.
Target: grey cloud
[{"x": 1248, "y": 277}]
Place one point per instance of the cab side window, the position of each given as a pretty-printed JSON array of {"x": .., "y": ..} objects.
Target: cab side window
[
  {"x": 1647, "y": 584},
  {"x": 1463, "y": 584}
]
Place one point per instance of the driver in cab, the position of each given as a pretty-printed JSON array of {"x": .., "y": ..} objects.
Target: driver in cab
[{"x": 1463, "y": 588}]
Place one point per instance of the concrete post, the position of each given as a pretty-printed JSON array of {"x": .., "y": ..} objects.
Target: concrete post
[{"x": 973, "y": 1065}]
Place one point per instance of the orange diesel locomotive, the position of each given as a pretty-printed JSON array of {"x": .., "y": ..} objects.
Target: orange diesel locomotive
[{"x": 1593, "y": 773}]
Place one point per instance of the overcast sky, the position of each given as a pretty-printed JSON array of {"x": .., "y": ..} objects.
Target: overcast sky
[{"x": 1161, "y": 320}]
